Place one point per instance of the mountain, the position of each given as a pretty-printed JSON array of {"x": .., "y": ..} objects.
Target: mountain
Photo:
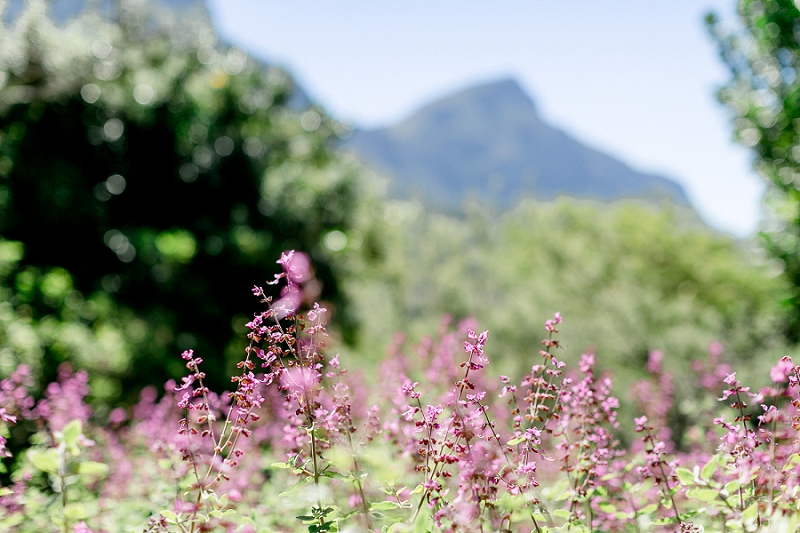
[{"x": 488, "y": 142}]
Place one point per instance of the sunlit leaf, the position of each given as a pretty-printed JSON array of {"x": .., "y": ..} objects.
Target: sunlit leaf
[
  {"x": 46, "y": 461},
  {"x": 710, "y": 468},
  {"x": 92, "y": 468}
]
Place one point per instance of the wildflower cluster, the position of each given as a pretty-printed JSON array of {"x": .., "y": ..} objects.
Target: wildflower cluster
[{"x": 302, "y": 444}]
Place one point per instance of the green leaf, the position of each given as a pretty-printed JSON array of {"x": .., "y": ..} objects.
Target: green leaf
[
  {"x": 648, "y": 509},
  {"x": 383, "y": 506},
  {"x": 281, "y": 465},
  {"x": 606, "y": 507},
  {"x": 46, "y": 461},
  {"x": 732, "y": 487},
  {"x": 702, "y": 494},
  {"x": 75, "y": 511},
  {"x": 710, "y": 469},
  {"x": 685, "y": 476},
  {"x": 576, "y": 527},
  {"x": 70, "y": 434},
  {"x": 345, "y": 516},
  {"x": 216, "y": 513},
  {"x": 336, "y": 475},
  {"x": 7, "y": 524},
  {"x": 170, "y": 516},
  {"x": 294, "y": 487},
  {"x": 5, "y": 491},
  {"x": 751, "y": 513},
  {"x": 319, "y": 433},
  {"x": 93, "y": 468},
  {"x": 563, "y": 496},
  {"x": 791, "y": 462},
  {"x": 562, "y": 513},
  {"x": 515, "y": 441},
  {"x": 663, "y": 521},
  {"x": 394, "y": 528}
]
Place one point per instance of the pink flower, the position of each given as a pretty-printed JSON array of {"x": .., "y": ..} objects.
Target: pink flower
[
  {"x": 117, "y": 416},
  {"x": 587, "y": 362},
  {"x": 297, "y": 267},
  {"x": 408, "y": 389},
  {"x": 300, "y": 382},
  {"x": 476, "y": 348},
  {"x": 354, "y": 500},
  {"x": 654, "y": 361},
  {"x": 81, "y": 527},
  {"x": 715, "y": 349},
  {"x": 550, "y": 325},
  {"x": 289, "y": 302},
  {"x": 780, "y": 372},
  {"x": 5, "y": 417},
  {"x": 532, "y": 435}
]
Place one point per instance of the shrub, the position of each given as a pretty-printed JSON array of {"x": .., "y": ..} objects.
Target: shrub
[{"x": 162, "y": 169}]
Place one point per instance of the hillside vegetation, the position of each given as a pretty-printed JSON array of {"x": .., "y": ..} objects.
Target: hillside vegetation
[{"x": 629, "y": 277}]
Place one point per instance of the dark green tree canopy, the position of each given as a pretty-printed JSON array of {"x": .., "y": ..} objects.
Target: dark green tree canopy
[
  {"x": 763, "y": 55},
  {"x": 167, "y": 171}
]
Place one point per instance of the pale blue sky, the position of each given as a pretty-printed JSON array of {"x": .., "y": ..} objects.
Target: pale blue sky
[{"x": 631, "y": 77}]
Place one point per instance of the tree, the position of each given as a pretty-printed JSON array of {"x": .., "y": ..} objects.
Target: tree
[
  {"x": 154, "y": 165},
  {"x": 763, "y": 94}
]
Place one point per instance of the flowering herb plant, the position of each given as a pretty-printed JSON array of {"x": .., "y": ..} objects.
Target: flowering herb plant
[{"x": 435, "y": 444}]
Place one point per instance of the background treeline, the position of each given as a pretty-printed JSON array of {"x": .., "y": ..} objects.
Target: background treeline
[{"x": 629, "y": 278}]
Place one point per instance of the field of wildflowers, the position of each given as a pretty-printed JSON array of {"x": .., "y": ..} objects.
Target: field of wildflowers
[{"x": 434, "y": 442}]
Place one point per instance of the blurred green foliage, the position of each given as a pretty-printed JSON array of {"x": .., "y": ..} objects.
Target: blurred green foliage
[
  {"x": 628, "y": 278},
  {"x": 90, "y": 332},
  {"x": 763, "y": 95},
  {"x": 154, "y": 174}
]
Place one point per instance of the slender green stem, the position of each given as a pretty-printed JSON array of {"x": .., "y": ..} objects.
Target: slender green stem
[
  {"x": 666, "y": 479},
  {"x": 359, "y": 486},
  {"x": 535, "y": 523}
]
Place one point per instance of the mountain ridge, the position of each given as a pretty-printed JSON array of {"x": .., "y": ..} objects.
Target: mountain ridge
[{"x": 489, "y": 141}]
